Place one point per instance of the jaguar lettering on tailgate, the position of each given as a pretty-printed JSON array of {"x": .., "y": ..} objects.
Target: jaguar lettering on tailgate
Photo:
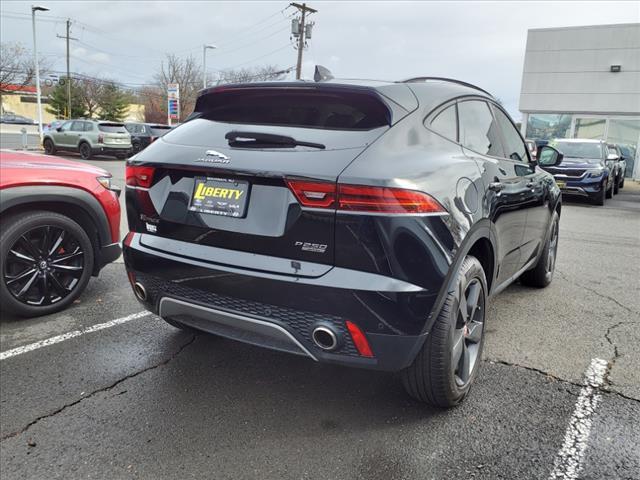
[{"x": 219, "y": 196}]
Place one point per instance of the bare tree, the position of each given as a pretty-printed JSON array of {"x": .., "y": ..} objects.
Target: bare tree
[
  {"x": 186, "y": 72},
  {"x": 89, "y": 91},
  {"x": 253, "y": 74},
  {"x": 16, "y": 66},
  {"x": 154, "y": 100}
]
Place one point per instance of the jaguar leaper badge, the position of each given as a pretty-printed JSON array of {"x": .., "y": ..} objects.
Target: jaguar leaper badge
[{"x": 211, "y": 156}]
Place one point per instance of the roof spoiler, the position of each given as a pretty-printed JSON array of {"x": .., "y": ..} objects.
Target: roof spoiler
[{"x": 444, "y": 79}]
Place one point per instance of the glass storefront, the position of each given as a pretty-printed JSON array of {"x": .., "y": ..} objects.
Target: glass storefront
[
  {"x": 548, "y": 126},
  {"x": 591, "y": 128},
  {"x": 623, "y": 131}
]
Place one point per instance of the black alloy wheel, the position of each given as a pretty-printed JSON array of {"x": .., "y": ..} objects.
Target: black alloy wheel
[
  {"x": 541, "y": 274},
  {"x": 85, "y": 151},
  {"x": 444, "y": 369},
  {"x": 46, "y": 262}
]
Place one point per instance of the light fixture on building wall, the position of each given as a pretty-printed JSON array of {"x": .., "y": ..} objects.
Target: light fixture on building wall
[{"x": 616, "y": 68}]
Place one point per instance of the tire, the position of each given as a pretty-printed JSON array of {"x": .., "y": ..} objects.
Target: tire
[
  {"x": 609, "y": 193},
  {"x": 136, "y": 147},
  {"x": 541, "y": 275},
  {"x": 180, "y": 325},
  {"x": 436, "y": 377},
  {"x": 622, "y": 182},
  {"x": 54, "y": 284},
  {"x": 49, "y": 147},
  {"x": 85, "y": 151},
  {"x": 599, "y": 198},
  {"x": 616, "y": 185}
]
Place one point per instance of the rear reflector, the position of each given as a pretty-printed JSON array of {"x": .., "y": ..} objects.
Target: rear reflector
[
  {"x": 361, "y": 198},
  {"x": 359, "y": 339},
  {"x": 139, "y": 176}
]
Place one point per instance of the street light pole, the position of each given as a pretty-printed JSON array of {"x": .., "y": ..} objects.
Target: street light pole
[
  {"x": 204, "y": 63},
  {"x": 34, "y": 9}
]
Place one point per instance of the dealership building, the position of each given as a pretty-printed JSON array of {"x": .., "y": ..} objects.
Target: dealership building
[{"x": 584, "y": 82}]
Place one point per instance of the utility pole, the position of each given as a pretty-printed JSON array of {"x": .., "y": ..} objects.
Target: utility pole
[
  {"x": 301, "y": 32},
  {"x": 68, "y": 37}
]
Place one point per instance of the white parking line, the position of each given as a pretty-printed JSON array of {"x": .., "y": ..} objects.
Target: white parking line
[
  {"x": 66, "y": 336},
  {"x": 568, "y": 462}
]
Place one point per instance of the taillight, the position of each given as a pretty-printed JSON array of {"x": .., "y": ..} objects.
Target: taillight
[
  {"x": 359, "y": 340},
  {"x": 100, "y": 138},
  {"x": 138, "y": 176},
  {"x": 361, "y": 198},
  {"x": 314, "y": 194},
  {"x": 385, "y": 200}
]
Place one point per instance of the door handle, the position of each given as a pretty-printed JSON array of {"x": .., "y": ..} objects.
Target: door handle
[
  {"x": 496, "y": 186},
  {"x": 530, "y": 185}
]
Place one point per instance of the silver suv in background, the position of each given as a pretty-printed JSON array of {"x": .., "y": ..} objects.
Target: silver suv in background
[
  {"x": 89, "y": 138},
  {"x": 615, "y": 151}
]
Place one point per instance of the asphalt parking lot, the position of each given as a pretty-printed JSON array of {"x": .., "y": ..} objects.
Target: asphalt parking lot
[{"x": 97, "y": 391}]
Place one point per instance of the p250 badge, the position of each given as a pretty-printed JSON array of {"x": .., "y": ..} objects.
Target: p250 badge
[
  {"x": 211, "y": 156},
  {"x": 311, "y": 247}
]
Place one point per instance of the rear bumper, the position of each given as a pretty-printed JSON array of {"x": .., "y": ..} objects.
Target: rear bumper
[
  {"x": 112, "y": 150},
  {"x": 281, "y": 311}
]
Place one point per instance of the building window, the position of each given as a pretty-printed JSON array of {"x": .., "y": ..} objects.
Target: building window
[
  {"x": 548, "y": 126},
  {"x": 591, "y": 128}
]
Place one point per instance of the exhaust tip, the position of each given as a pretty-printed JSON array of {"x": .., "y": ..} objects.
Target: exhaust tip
[
  {"x": 140, "y": 291},
  {"x": 324, "y": 338}
]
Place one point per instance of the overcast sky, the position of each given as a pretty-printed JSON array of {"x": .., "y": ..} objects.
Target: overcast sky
[{"x": 479, "y": 42}]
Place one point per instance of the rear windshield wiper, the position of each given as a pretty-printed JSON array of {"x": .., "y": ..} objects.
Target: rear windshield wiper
[{"x": 266, "y": 140}]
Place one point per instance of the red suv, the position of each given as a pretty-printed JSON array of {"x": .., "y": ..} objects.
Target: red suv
[{"x": 59, "y": 225}]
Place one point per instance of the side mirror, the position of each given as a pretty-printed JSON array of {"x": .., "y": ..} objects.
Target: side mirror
[
  {"x": 549, "y": 156},
  {"x": 59, "y": 129},
  {"x": 613, "y": 157}
]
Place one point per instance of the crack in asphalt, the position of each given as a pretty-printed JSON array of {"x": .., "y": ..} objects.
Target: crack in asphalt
[
  {"x": 560, "y": 379},
  {"x": 599, "y": 294},
  {"x": 100, "y": 390}
]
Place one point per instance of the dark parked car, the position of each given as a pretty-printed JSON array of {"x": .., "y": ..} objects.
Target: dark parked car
[
  {"x": 16, "y": 119},
  {"x": 60, "y": 225},
  {"x": 143, "y": 134},
  {"x": 615, "y": 153},
  {"x": 585, "y": 169},
  {"x": 364, "y": 224}
]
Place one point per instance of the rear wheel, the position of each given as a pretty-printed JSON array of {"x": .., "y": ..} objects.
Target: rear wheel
[
  {"x": 85, "y": 151},
  {"x": 46, "y": 260},
  {"x": 541, "y": 275},
  {"x": 49, "y": 147},
  {"x": 448, "y": 362}
]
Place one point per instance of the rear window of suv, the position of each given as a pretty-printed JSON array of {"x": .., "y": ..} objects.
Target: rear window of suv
[
  {"x": 112, "y": 128},
  {"x": 310, "y": 108}
]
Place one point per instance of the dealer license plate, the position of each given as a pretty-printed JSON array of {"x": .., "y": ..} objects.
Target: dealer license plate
[{"x": 220, "y": 196}]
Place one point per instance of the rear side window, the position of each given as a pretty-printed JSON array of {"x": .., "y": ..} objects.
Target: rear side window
[
  {"x": 446, "y": 123},
  {"x": 515, "y": 148},
  {"x": 112, "y": 128},
  {"x": 478, "y": 129},
  {"x": 88, "y": 126},
  {"x": 296, "y": 107}
]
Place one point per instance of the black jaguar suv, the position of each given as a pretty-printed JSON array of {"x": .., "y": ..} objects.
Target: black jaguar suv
[{"x": 358, "y": 223}]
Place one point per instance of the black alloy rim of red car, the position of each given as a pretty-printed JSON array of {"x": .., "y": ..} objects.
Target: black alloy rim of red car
[{"x": 43, "y": 266}]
